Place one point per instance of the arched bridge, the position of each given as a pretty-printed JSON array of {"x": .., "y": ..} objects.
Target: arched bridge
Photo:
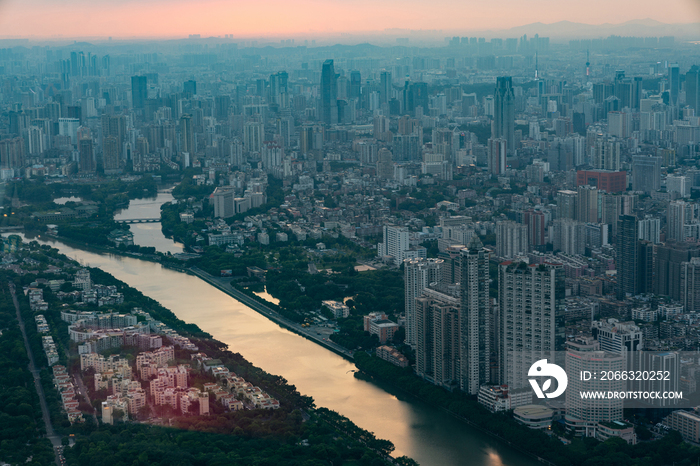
[{"x": 139, "y": 220}]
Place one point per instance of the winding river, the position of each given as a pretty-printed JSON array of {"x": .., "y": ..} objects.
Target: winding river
[{"x": 431, "y": 437}]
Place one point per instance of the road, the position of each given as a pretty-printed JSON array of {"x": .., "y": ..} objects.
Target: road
[
  {"x": 224, "y": 284},
  {"x": 81, "y": 389},
  {"x": 50, "y": 434}
]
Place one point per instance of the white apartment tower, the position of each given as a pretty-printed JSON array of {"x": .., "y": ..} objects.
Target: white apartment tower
[
  {"x": 531, "y": 318},
  {"x": 418, "y": 274},
  {"x": 475, "y": 328},
  {"x": 394, "y": 244},
  {"x": 511, "y": 239},
  {"x": 583, "y": 415}
]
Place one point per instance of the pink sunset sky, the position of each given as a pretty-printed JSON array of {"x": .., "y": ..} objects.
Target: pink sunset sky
[{"x": 279, "y": 18}]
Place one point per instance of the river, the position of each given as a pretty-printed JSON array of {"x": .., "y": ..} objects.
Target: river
[
  {"x": 429, "y": 436},
  {"x": 149, "y": 234}
]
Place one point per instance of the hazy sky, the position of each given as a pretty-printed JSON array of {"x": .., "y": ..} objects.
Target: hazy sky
[{"x": 248, "y": 18}]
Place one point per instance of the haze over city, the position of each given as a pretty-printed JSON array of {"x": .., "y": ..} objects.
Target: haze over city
[{"x": 349, "y": 232}]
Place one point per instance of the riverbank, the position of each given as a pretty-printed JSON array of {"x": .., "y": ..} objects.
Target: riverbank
[{"x": 224, "y": 285}]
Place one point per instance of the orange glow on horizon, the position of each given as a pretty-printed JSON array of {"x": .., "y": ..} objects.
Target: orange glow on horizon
[{"x": 281, "y": 18}]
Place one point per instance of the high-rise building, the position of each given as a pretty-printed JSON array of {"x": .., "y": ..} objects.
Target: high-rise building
[
  {"x": 418, "y": 275},
  {"x": 504, "y": 112},
  {"x": 646, "y": 173},
  {"x": 679, "y": 214},
  {"x": 569, "y": 236},
  {"x": 531, "y": 318},
  {"x": 253, "y": 135},
  {"x": 645, "y": 266},
  {"x": 678, "y": 184},
  {"x": 692, "y": 88},
  {"x": 69, "y": 127},
  {"x": 437, "y": 328},
  {"x": 189, "y": 88},
  {"x": 587, "y": 210},
  {"x": 498, "y": 148},
  {"x": 475, "y": 322},
  {"x": 355, "y": 85},
  {"x": 690, "y": 285},
  {"x": 536, "y": 225},
  {"x": 674, "y": 83},
  {"x": 279, "y": 88},
  {"x": 272, "y": 155},
  {"x": 614, "y": 205},
  {"x": 627, "y": 248},
  {"x": 12, "y": 153},
  {"x": 385, "y": 86},
  {"x": 329, "y": 94},
  {"x": 395, "y": 243},
  {"x": 416, "y": 95},
  {"x": 385, "y": 165},
  {"x": 187, "y": 143},
  {"x": 650, "y": 229},
  {"x": 583, "y": 414},
  {"x": 222, "y": 105},
  {"x": 139, "y": 91},
  {"x": 36, "y": 141},
  {"x": 110, "y": 154},
  {"x": 87, "y": 155},
  {"x": 669, "y": 259},
  {"x": 566, "y": 202},
  {"x": 511, "y": 239},
  {"x": 607, "y": 154},
  {"x": 114, "y": 125},
  {"x": 223, "y": 200},
  {"x": 617, "y": 337}
]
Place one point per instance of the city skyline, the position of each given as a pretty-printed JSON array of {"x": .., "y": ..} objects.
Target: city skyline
[{"x": 274, "y": 18}]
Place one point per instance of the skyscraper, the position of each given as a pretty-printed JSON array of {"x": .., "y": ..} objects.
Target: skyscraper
[
  {"x": 87, "y": 155},
  {"x": 139, "y": 91},
  {"x": 692, "y": 88},
  {"x": 475, "y": 328},
  {"x": 511, "y": 239},
  {"x": 566, "y": 202},
  {"x": 189, "y": 88},
  {"x": 385, "y": 165},
  {"x": 690, "y": 285},
  {"x": 646, "y": 173},
  {"x": 329, "y": 94},
  {"x": 418, "y": 274},
  {"x": 535, "y": 221},
  {"x": 110, "y": 154},
  {"x": 437, "y": 314},
  {"x": 278, "y": 87},
  {"x": 504, "y": 112},
  {"x": 627, "y": 249},
  {"x": 674, "y": 83},
  {"x": 384, "y": 86},
  {"x": 587, "y": 204},
  {"x": 187, "y": 135},
  {"x": 669, "y": 259},
  {"x": 498, "y": 148},
  {"x": 531, "y": 318},
  {"x": 355, "y": 85},
  {"x": 12, "y": 153}
]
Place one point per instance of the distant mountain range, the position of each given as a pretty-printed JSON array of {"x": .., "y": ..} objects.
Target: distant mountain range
[{"x": 567, "y": 29}]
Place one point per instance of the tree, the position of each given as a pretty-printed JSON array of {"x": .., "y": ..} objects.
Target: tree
[{"x": 117, "y": 414}]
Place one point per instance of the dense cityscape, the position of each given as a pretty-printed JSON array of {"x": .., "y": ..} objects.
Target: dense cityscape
[{"x": 479, "y": 249}]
